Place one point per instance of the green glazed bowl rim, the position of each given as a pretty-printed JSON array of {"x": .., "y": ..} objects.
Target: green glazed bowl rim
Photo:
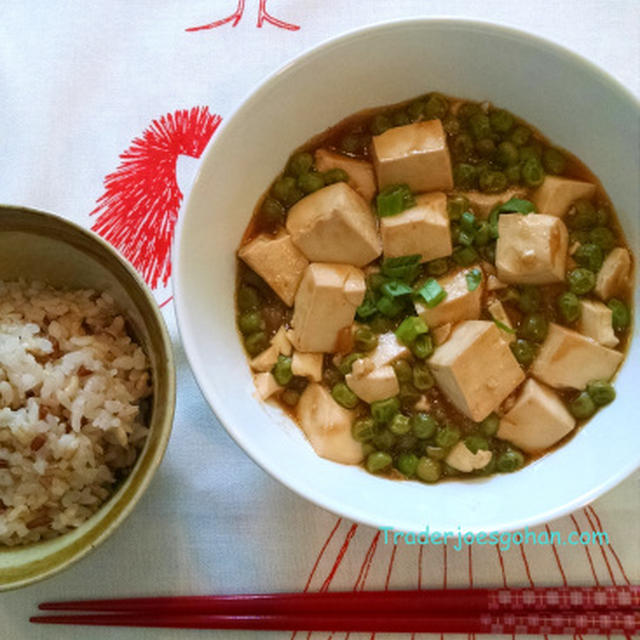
[{"x": 24, "y": 565}]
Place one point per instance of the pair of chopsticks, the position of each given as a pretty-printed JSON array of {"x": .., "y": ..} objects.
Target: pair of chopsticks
[{"x": 538, "y": 611}]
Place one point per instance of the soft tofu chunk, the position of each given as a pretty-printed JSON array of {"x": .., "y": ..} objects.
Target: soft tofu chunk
[
  {"x": 278, "y": 261},
  {"x": 476, "y": 369},
  {"x": 595, "y": 322},
  {"x": 464, "y": 460},
  {"x": 482, "y": 203},
  {"x": 422, "y": 229},
  {"x": 389, "y": 350},
  {"x": 614, "y": 275},
  {"x": 531, "y": 249},
  {"x": 569, "y": 359},
  {"x": 460, "y": 303},
  {"x": 334, "y": 224},
  {"x": 555, "y": 195},
  {"x": 498, "y": 312},
  {"x": 325, "y": 304},
  {"x": 279, "y": 345},
  {"x": 266, "y": 385},
  {"x": 493, "y": 283},
  {"x": 441, "y": 334},
  {"x": 328, "y": 425},
  {"x": 375, "y": 385},
  {"x": 415, "y": 154},
  {"x": 360, "y": 172},
  {"x": 537, "y": 420},
  {"x": 281, "y": 342},
  {"x": 307, "y": 365}
]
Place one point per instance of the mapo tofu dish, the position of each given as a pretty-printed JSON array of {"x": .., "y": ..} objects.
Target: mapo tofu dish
[{"x": 432, "y": 289}]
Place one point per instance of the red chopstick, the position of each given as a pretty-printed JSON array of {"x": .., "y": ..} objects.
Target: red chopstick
[
  {"x": 559, "y": 623},
  {"x": 421, "y": 601}
]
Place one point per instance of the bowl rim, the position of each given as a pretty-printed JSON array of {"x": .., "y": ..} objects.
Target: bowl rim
[
  {"x": 166, "y": 360},
  {"x": 215, "y": 401}
]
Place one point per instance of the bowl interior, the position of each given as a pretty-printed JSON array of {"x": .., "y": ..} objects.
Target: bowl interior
[
  {"x": 39, "y": 246},
  {"x": 569, "y": 100}
]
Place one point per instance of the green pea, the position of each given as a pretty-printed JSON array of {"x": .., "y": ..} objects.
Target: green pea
[
  {"x": 532, "y": 172},
  {"x": 451, "y": 125},
  {"x": 347, "y": 362},
  {"x": 476, "y": 442},
  {"x": 585, "y": 216},
  {"x": 272, "y": 211},
  {"x": 378, "y": 461},
  {"x": 468, "y": 109},
  {"x": 524, "y": 351},
  {"x": 480, "y": 126},
  {"x": 529, "y": 153},
  {"x": 428, "y": 470},
  {"x": 422, "y": 377},
  {"x": 603, "y": 238},
  {"x": 435, "y": 107},
  {"x": 256, "y": 343},
  {"x": 507, "y": 154},
  {"x": 601, "y": 392},
  {"x": 363, "y": 429},
  {"x": 310, "y": 182},
  {"x": 332, "y": 176},
  {"x": 489, "y": 426},
  {"x": 407, "y": 463},
  {"x": 509, "y": 461},
  {"x": 286, "y": 191},
  {"x": 248, "y": 298},
  {"x": 407, "y": 442},
  {"x": 501, "y": 120},
  {"x": 492, "y": 181},
  {"x": 423, "y": 425},
  {"x": 408, "y": 396},
  {"x": 281, "y": 370},
  {"x": 513, "y": 174},
  {"x": 384, "y": 440},
  {"x": 365, "y": 339},
  {"x": 581, "y": 281},
  {"x": 530, "y": 299},
  {"x": 250, "y": 322},
  {"x": 367, "y": 449},
  {"x": 579, "y": 235},
  {"x": 437, "y": 267},
  {"x": 589, "y": 256},
  {"x": 403, "y": 371},
  {"x": 620, "y": 314},
  {"x": 462, "y": 146},
  {"x": 300, "y": 163},
  {"x": 582, "y": 406},
  {"x": 520, "y": 136},
  {"x": 399, "y": 425},
  {"x": 436, "y": 453},
  {"x": 534, "y": 327},
  {"x": 569, "y": 306},
  {"x": 447, "y": 436},
  {"x": 465, "y": 176},
  {"x": 400, "y": 118},
  {"x": 384, "y": 410},
  {"x": 483, "y": 235},
  {"x": 331, "y": 376},
  {"x": 353, "y": 143},
  {"x": 344, "y": 396},
  {"x": 421, "y": 347},
  {"x": 380, "y": 324},
  {"x": 553, "y": 161},
  {"x": 485, "y": 147},
  {"x": 379, "y": 124},
  {"x": 416, "y": 110}
]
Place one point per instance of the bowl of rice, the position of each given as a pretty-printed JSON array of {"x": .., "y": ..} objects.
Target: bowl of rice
[{"x": 87, "y": 393}]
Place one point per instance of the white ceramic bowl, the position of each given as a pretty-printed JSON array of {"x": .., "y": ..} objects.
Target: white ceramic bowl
[{"x": 574, "y": 103}]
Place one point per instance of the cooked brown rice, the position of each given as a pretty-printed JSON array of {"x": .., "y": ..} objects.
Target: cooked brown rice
[{"x": 71, "y": 385}]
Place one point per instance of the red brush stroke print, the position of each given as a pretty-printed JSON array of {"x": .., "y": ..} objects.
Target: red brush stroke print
[
  {"x": 138, "y": 211},
  {"x": 236, "y": 16}
]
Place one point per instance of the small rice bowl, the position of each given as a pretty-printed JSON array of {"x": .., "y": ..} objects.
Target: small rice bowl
[{"x": 74, "y": 387}]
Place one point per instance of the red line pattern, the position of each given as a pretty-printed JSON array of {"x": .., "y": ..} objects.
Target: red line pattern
[
  {"x": 138, "y": 211},
  {"x": 593, "y": 571},
  {"x": 235, "y": 17},
  {"x": 610, "y": 546}
]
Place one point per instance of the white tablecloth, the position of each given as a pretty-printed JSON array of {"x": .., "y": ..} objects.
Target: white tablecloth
[{"x": 80, "y": 81}]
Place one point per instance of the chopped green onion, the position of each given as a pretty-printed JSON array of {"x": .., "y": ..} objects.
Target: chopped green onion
[
  {"x": 394, "y": 199},
  {"x": 410, "y": 329},
  {"x": 395, "y": 289},
  {"x": 468, "y": 221},
  {"x": 390, "y": 307},
  {"x": 368, "y": 307},
  {"x": 465, "y": 256},
  {"x": 465, "y": 238},
  {"x": 432, "y": 293},
  {"x": 503, "y": 326},
  {"x": 405, "y": 268},
  {"x": 473, "y": 278},
  {"x": 517, "y": 205}
]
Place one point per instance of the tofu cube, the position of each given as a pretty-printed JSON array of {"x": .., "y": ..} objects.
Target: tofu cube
[
  {"x": 569, "y": 359},
  {"x": 415, "y": 154},
  {"x": 460, "y": 303},
  {"x": 476, "y": 369},
  {"x": 266, "y": 385},
  {"x": 307, "y": 365},
  {"x": 423, "y": 229},
  {"x": 595, "y": 322},
  {"x": 389, "y": 350},
  {"x": 327, "y": 425},
  {"x": 441, "y": 334},
  {"x": 370, "y": 386},
  {"x": 614, "y": 275},
  {"x": 277, "y": 261},
  {"x": 464, "y": 460},
  {"x": 537, "y": 420},
  {"x": 531, "y": 249},
  {"x": 326, "y": 303},
  {"x": 334, "y": 224},
  {"x": 360, "y": 172},
  {"x": 555, "y": 195},
  {"x": 482, "y": 203},
  {"x": 498, "y": 312}
]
